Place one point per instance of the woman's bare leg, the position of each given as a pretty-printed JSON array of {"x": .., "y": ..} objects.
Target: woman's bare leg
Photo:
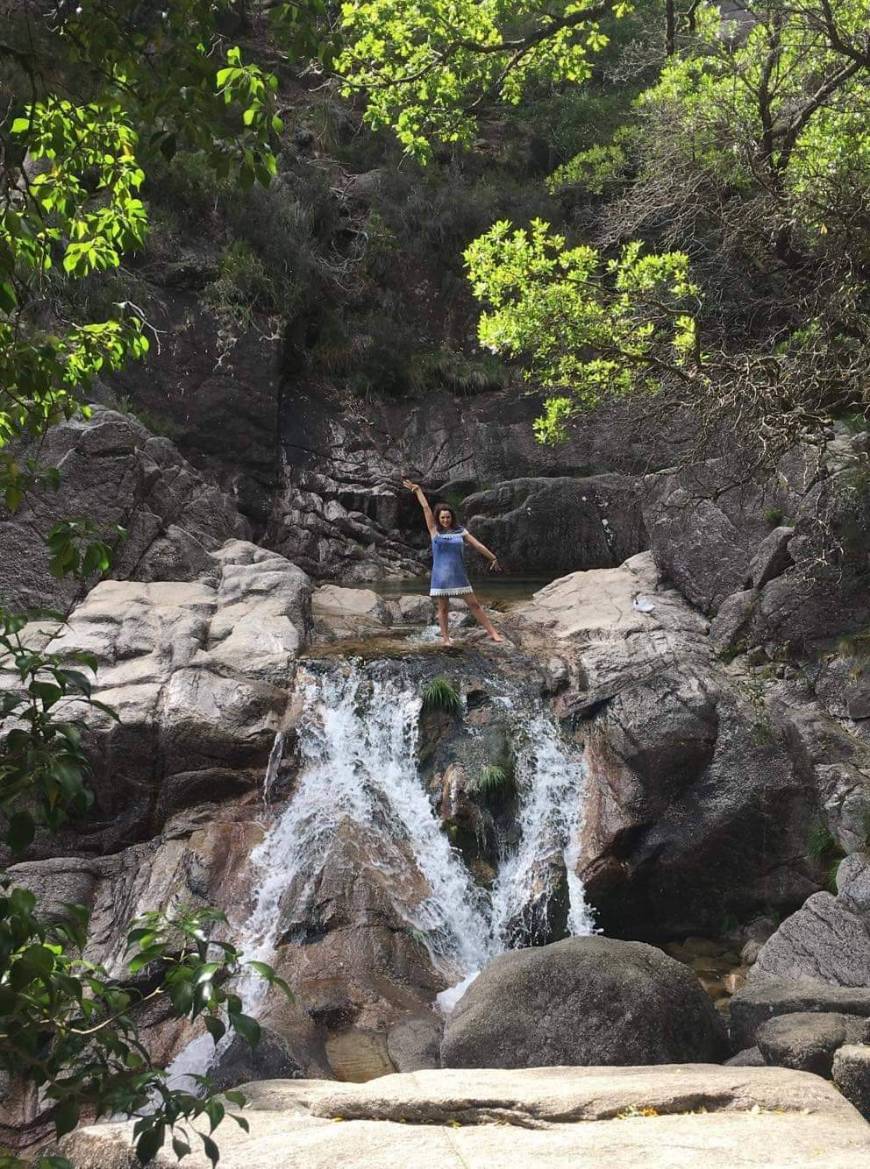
[
  {"x": 443, "y": 604},
  {"x": 475, "y": 607}
]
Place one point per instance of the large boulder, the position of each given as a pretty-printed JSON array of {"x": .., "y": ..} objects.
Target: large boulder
[
  {"x": 825, "y": 940},
  {"x": 694, "y": 809},
  {"x": 583, "y": 1001},
  {"x": 707, "y": 522},
  {"x": 780, "y": 561},
  {"x": 113, "y": 471},
  {"x": 807, "y": 1040},
  {"x": 548, "y": 526},
  {"x": 565, "y": 1118},
  {"x": 197, "y": 672}
]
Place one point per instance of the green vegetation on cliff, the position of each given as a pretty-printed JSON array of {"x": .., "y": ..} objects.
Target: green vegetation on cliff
[{"x": 748, "y": 158}]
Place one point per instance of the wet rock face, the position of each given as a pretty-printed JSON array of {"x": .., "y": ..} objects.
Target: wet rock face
[
  {"x": 341, "y": 513},
  {"x": 116, "y": 472},
  {"x": 553, "y": 526},
  {"x": 217, "y": 395},
  {"x": 583, "y": 1001}
]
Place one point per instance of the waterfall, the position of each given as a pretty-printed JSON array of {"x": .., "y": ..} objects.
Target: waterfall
[
  {"x": 357, "y": 743},
  {"x": 358, "y": 782},
  {"x": 358, "y": 751},
  {"x": 550, "y": 780},
  {"x": 275, "y": 757}
]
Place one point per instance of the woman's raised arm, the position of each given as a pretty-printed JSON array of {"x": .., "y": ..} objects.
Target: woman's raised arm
[{"x": 417, "y": 491}]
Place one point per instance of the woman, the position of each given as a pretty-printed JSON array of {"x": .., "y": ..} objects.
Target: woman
[{"x": 449, "y": 578}]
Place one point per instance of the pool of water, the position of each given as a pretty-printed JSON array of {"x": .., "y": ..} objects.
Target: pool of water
[{"x": 491, "y": 590}]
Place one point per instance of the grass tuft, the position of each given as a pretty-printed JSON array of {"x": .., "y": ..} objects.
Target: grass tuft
[{"x": 440, "y": 694}]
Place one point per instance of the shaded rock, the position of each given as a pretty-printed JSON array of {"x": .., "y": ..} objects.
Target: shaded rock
[
  {"x": 415, "y": 1043},
  {"x": 115, "y": 472},
  {"x": 772, "y": 557},
  {"x": 750, "y": 1057},
  {"x": 638, "y": 1118},
  {"x": 853, "y": 882},
  {"x": 806, "y": 1041},
  {"x": 825, "y": 940},
  {"x": 215, "y": 389},
  {"x": 271, "y": 1059},
  {"x": 851, "y": 1074},
  {"x": 730, "y": 628},
  {"x": 582, "y": 1001},
  {"x": 710, "y": 533},
  {"x": 706, "y": 522},
  {"x": 558, "y": 525},
  {"x": 766, "y": 998}
]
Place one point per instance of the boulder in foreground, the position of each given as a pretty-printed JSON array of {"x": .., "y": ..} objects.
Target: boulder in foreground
[
  {"x": 675, "y": 1117},
  {"x": 580, "y": 1002}
]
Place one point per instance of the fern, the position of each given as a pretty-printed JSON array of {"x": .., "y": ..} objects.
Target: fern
[{"x": 440, "y": 694}]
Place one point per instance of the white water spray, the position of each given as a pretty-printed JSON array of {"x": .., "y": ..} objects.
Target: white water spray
[{"x": 358, "y": 782}]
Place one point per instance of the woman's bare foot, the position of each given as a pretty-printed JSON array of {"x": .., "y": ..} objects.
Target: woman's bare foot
[
  {"x": 448, "y": 641},
  {"x": 496, "y": 637}
]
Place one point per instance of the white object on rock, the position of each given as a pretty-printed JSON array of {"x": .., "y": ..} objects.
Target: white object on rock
[{"x": 642, "y": 604}]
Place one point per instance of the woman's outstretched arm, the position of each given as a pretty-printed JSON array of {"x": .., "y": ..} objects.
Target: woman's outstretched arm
[
  {"x": 484, "y": 551},
  {"x": 417, "y": 491}
]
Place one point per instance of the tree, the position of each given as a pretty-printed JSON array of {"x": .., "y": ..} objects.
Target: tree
[
  {"x": 745, "y": 165},
  {"x": 428, "y": 69},
  {"x": 89, "y": 93}
]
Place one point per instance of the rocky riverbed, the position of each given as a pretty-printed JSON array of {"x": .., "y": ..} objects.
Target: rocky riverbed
[{"x": 660, "y": 750}]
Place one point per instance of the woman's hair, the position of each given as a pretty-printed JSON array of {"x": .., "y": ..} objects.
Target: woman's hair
[{"x": 439, "y": 507}]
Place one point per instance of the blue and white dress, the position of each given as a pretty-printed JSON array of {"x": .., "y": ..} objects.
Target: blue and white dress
[{"x": 449, "y": 578}]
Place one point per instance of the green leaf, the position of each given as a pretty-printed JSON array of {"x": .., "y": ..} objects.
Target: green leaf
[
  {"x": 8, "y": 299},
  {"x": 150, "y": 1143},
  {"x": 248, "y": 1028},
  {"x": 146, "y": 956},
  {"x": 180, "y": 1148},
  {"x": 21, "y": 831},
  {"x": 215, "y": 1027},
  {"x": 47, "y": 692},
  {"x": 181, "y": 996},
  {"x": 211, "y": 1149},
  {"x": 66, "y": 1117}
]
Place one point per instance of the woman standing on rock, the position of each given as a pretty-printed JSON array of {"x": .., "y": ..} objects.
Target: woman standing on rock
[{"x": 449, "y": 578}]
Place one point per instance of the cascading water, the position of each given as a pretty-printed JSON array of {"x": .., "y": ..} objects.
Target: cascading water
[
  {"x": 550, "y": 781},
  {"x": 358, "y": 740},
  {"x": 357, "y": 743}
]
